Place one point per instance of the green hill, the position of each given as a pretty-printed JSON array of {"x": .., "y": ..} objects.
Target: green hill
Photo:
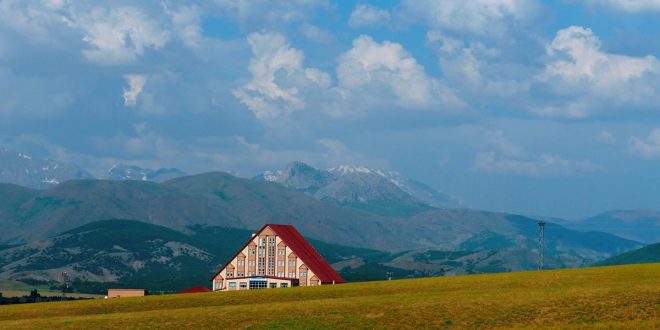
[
  {"x": 647, "y": 254},
  {"x": 623, "y": 297},
  {"x": 126, "y": 253},
  {"x": 222, "y": 200}
]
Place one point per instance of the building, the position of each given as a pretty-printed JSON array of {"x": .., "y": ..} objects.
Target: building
[
  {"x": 123, "y": 293},
  {"x": 277, "y": 256}
]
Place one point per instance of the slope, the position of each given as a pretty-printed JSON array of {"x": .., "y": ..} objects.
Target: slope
[
  {"x": 647, "y": 254},
  {"x": 601, "y": 297}
]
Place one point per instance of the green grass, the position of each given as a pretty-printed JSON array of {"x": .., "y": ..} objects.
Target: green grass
[{"x": 626, "y": 297}]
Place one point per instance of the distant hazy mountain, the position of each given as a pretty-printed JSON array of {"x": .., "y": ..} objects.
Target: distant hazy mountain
[
  {"x": 129, "y": 172},
  {"x": 419, "y": 190},
  {"x": 21, "y": 169},
  {"x": 647, "y": 254},
  {"x": 219, "y": 199},
  {"x": 387, "y": 193},
  {"x": 638, "y": 225}
]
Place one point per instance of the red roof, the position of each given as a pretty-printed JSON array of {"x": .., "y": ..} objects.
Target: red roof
[
  {"x": 306, "y": 253},
  {"x": 196, "y": 289},
  {"x": 302, "y": 249}
]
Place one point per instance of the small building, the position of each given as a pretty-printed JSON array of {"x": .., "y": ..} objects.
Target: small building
[
  {"x": 123, "y": 293},
  {"x": 277, "y": 256}
]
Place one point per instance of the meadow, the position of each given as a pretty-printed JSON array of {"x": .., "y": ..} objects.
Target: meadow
[{"x": 626, "y": 297}]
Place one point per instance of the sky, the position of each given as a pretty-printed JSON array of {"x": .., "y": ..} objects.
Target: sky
[{"x": 545, "y": 108}]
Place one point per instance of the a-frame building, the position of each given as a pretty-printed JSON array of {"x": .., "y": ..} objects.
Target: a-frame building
[{"x": 277, "y": 256}]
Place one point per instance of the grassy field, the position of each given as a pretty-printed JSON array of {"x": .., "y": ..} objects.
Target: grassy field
[{"x": 626, "y": 297}]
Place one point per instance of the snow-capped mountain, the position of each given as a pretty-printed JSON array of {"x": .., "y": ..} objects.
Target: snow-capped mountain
[
  {"x": 129, "y": 172},
  {"x": 383, "y": 191},
  {"x": 22, "y": 169},
  {"x": 415, "y": 188}
]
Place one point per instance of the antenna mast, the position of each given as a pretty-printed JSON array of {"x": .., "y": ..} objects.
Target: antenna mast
[{"x": 541, "y": 243}]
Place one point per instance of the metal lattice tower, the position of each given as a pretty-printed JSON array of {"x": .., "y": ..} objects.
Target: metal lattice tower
[
  {"x": 65, "y": 283},
  {"x": 541, "y": 243}
]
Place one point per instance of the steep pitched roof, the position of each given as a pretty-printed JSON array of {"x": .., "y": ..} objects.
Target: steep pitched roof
[
  {"x": 302, "y": 249},
  {"x": 307, "y": 253}
]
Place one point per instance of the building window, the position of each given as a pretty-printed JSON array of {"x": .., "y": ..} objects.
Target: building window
[
  {"x": 292, "y": 263},
  {"x": 218, "y": 285},
  {"x": 292, "y": 275},
  {"x": 243, "y": 285},
  {"x": 280, "y": 274},
  {"x": 230, "y": 274},
  {"x": 273, "y": 285},
  {"x": 232, "y": 285},
  {"x": 280, "y": 263},
  {"x": 241, "y": 274},
  {"x": 258, "y": 284},
  {"x": 262, "y": 242},
  {"x": 251, "y": 251},
  {"x": 303, "y": 274},
  {"x": 250, "y": 273},
  {"x": 281, "y": 252},
  {"x": 241, "y": 262},
  {"x": 284, "y": 285},
  {"x": 252, "y": 263}
]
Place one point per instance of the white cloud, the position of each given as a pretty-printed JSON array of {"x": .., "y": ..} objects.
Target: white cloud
[
  {"x": 119, "y": 35},
  {"x": 135, "y": 84},
  {"x": 632, "y": 6},
  {"x": 479, "y": 17},
  {"x": 507, "y": 158},
  {"x": 370, "y": 75},
  {"x": 186, "y": 21},
  {"x": 386, "y": 74},
  {"x": 278, "y": 75},
  {"x": 316, "y": 34},
  {"x": 265, "y": 13},
  {"x": 646, "y": 148},
  {"x": 586, "y": 80},
  {"x": 368, "y": 15},
  {"x": 606, "y": 137},
  {"x": 476, "y": 70}
]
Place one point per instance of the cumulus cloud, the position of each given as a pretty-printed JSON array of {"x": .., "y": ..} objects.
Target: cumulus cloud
[
  {"x": 368, "y": 15},
  {"x": 648, "y": 147},
  {"x": 369, "y": 75},
  {"x": 316, "y": 34},
  {"x": 478, "y": 17},
  {"x": 626, "y": 5},
  {"x": 584, "y": 79},
  {"x": 385, "y": 73},
  {"x": 504, "y": 157},
  {"x": 278, "y": 75},
  {"x": 135, "y": 84},
  {"x": 119, "y": 35},
  {"x": 186, "y": 21},
  {"x": 265, "y": 13}
]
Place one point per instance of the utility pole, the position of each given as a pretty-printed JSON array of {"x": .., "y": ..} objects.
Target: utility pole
[
  {"x": 65, "y": 284},
  {"x": 541, "y": 243}
]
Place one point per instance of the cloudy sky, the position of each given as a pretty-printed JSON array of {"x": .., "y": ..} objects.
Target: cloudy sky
[{"x": 536, "y": 107}]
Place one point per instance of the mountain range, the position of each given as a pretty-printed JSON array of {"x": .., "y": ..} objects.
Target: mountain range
[
  {"x": 38, "y": 173},
  {"x": 386, "y": 193},
  {"x": 378, "y": 220},
  {"x": 638, "y": 225},
  {"x": 24, "y": 170}
]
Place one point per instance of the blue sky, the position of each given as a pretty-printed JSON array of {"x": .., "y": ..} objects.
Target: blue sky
[{"x": 536, "y": 107}]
